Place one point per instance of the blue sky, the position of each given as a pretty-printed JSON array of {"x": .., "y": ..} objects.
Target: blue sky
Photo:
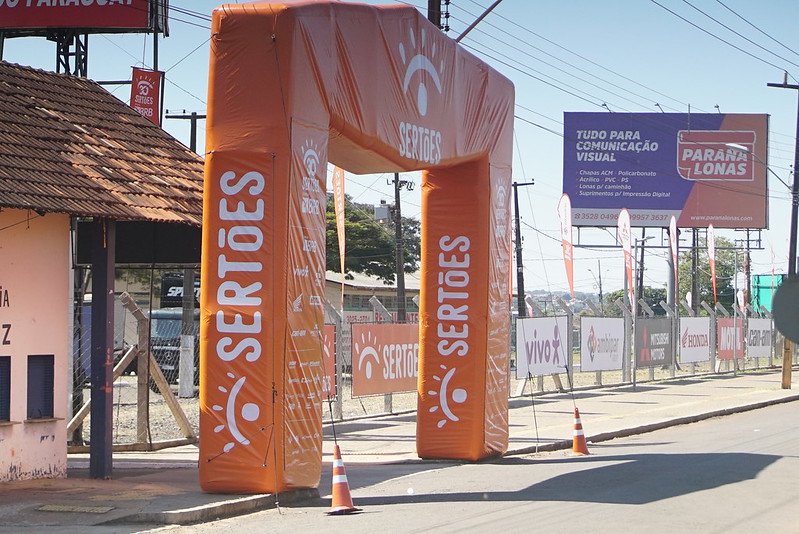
[{"x": 578, "y": 55}]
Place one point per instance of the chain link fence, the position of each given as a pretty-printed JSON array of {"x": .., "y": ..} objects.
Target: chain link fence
[{"x": 151, "y": 410}]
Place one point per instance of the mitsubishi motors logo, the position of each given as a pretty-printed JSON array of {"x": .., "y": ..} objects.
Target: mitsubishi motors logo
[{"x": 422, "y": 77}]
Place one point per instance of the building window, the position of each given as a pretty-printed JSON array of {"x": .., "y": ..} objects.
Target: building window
[
  {"x": 41, "y": 372},
  {"x": 5, "y": 388}
]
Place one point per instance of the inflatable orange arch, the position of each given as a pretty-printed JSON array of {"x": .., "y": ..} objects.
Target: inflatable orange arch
[{"x": 371, "y": 89}]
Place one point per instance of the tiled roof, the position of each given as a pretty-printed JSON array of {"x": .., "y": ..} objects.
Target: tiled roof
[{"x": 67, "y": 145}]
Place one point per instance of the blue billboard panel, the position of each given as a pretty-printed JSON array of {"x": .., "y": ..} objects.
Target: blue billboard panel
[{"x": 702, "y": 168}]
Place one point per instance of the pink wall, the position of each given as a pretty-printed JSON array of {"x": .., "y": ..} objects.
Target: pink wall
[{"x": 35, "y": 301}]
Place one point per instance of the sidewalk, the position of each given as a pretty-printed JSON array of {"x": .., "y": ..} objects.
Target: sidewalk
[{"x": 162, "y": 487}]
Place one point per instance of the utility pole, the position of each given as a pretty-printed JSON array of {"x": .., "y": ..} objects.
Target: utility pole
[
  {"x": 695, "y": 272},
  {"x": 787, "y": 352},
  {"x": 640, "y": 281},
  {"x": 400, "y": 252},
  {"x": 520, "y": 304},
  {"x": 193, "y": 116},
  {"x": 434, "y": 12}
]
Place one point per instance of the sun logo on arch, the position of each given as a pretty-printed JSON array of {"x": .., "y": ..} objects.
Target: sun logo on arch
[
  {"x": 310, "y": 158},
  {"x": 422, "y": 64},
  {"x": 457, "y": 395},
  {"x": 368, "y": 356},
  {"x": 248, "y": 411}
]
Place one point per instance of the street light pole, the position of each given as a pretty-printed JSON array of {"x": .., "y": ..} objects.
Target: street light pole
[{"x": 787, "y": 352}]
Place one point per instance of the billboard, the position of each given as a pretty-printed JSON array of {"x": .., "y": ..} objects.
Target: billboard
[
  {"x": 759, "y": 338},
  {"x": 701, "y": 168},
  {"x": 694, "y": 339},
  {"x": 653, "y": 344},
  {"x": 385, "y": 358},
  {"x": 730, "y": 332},
  {"x": 601, "y": 343},
  {"x": 101, "y": 14},
  {"x": 541, "y": 346}
]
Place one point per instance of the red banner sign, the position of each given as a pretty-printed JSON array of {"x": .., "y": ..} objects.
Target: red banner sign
[
  {"x": 145, "y": 93},
  {"x": 565, "y": 216},
  {"x": 31, "y": 14},
  {"x": 730, "y": 339},
  {"x": 385, "y": 358},
  {"x": 626, "y": 244}
]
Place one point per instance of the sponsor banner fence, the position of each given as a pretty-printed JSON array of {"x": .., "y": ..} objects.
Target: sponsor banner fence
[
  {"x": 694, "y": 339},
  {"x": 385, "y": 358},
  {"x": 653, "y": 344},
  {"x": 730, "y": 340},
  {"x": 541, "y": 345},
  {"x": 601, "y": 343},
  {"x": 759, "y": 336},
  {"x": 701, "y": 168}
]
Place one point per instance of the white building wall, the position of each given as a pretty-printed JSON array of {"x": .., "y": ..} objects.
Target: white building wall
[{"x": 34, "y": 303}]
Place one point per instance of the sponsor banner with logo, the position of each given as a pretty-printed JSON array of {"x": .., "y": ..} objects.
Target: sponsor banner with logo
[
  {"x": 541, "y": 346},
  {"x": 701, "y": 168},
  {"x": 329, "y": 385},
  {"x": 653, "y": 343},
  {"x": 385, "y": 358},
  {"x": 759, "y": 336},
  {"x": 109, "y": 14},
  {"x": 730, "y": 338},
  {"x": 625, "y": 236},
  {"x": 601, "y": 343},
  {"x": 694, "y": 339},
  {"x": 145, "y": 93},
  {"x": 338, "y": 204},
  {"x": 565, "y": 218}
]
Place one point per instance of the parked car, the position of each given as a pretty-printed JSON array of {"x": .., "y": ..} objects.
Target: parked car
[{"x": 165, "y": 331}]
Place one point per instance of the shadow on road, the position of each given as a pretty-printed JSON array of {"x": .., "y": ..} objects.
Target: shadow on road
[{"x": 620, "y": 479}]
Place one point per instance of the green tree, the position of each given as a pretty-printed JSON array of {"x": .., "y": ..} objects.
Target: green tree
[
  {"x": 652, "y": 296},
  {"x": 370, "y": 245},
  {"x": 726, "y": 264}
]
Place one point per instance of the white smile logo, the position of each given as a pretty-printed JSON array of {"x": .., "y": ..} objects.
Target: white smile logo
[
  {"x": 420, "y": 63},
  {"x": 458, "y": 396},
  {"x": 249, "y": 412},
  {"x": 368, "y": 357}
]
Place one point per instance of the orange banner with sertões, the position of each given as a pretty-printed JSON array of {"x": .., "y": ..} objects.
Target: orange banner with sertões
[{"x": 385, "y": 358}]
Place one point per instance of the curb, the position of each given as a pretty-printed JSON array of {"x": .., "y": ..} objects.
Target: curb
[
  {"x": 643, "y": 429},
  {"x": 216, "y": 511}
]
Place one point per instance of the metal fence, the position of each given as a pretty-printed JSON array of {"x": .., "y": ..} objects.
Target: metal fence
[{"x": 151, "y": 410}]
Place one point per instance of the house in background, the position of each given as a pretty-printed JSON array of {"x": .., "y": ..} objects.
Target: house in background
[{"x": 71, "y": 152}]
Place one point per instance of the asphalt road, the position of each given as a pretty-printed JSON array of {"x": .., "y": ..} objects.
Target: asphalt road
[{"x": 727, "y": 475}]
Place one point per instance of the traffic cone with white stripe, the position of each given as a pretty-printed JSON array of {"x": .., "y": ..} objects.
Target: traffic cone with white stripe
[
  {"x": 578, "y": 444},
  {"x": 342, "y": 501}
]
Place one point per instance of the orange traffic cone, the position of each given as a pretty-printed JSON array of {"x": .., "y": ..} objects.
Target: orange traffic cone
[
  {"x": 342, "y": 502},
  {"x": 578, "y": 445}
]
